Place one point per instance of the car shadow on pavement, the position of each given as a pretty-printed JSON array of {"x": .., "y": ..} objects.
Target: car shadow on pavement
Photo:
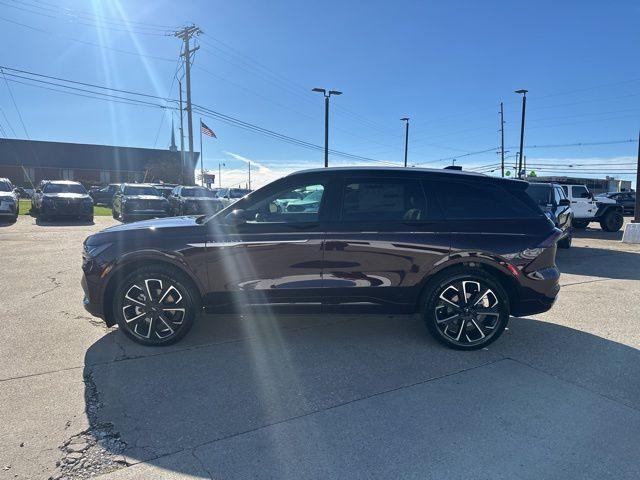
[
  {"x": 159, "y": 405},
  {"x": 6, "y": 224},
  {"x": 62, "y": 223},
  {"x": 600, "y": 262},
  {"x": 597, "y": 233}
]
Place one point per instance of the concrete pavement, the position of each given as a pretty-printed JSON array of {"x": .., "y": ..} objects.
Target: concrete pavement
[{"x": 260, "y": 396}]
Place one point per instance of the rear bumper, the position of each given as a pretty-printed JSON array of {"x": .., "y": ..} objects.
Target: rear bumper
[{"x": 537, "y": 292}]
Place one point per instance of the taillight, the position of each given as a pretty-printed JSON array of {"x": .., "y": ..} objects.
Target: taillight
[{"x": 551, "y": 240}]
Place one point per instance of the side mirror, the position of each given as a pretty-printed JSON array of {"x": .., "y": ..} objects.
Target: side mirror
[
  {"x": 38, "y": 190},
  {"x": 236, "y": 217},
  {"x": 564, "y": 202},
  {"x": 586, "y": 195}
]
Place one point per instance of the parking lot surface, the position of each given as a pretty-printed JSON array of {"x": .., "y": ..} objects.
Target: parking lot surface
[{"x": 275, "y": 396}]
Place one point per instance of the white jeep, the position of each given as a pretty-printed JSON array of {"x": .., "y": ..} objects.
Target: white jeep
[{"x": 586, "y": 209}]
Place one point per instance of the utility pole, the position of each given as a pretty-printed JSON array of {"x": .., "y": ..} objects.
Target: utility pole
[
  {"x": 220, "y": 165},
  {"x": 186, "y": 34},
  {"x": 181, "y": 134},
  {"x": 502, "y": 139},
  {"x": 406, "y": 138},
  {"x": 249, "y": 164},
  {"x": 524, "y": 109}
]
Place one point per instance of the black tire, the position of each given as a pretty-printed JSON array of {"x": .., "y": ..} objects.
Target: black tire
[
  {"x": 160, "y": 280},
  {"x": 88, "y": 218},
  {"x": 487, "y": 327},
  {"x": 113, "y": 214},
  {"x": 566, "y": 241},
  {"x": 580, "y": 224},
  {"x": 612, "y": 221},
  {"x": 124, "y": 218}
]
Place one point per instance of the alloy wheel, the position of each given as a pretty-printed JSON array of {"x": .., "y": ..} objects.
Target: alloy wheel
[
  {"x": 468, "y": 312},
  {"x": 154, "y": 309}
]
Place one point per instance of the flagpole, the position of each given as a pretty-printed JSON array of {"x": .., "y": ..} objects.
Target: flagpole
[{"x": 201, "y": 155}]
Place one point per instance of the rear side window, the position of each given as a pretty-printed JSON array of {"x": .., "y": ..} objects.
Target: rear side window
[
  {"x": 369, "y": 200},
  {"x": 466, "y": 200},
  {"x": 579, "y": 192}
]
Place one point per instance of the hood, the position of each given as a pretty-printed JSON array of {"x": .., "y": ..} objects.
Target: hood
[
  {"x": 70, "y": 196},
  {"x": 604, "y": 199},
  {"x": 157, "y": 226},
  {"x": 144, "y": 197}
]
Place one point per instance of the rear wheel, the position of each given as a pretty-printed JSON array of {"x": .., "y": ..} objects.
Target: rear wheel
[
  {"x": 581, "y": 224},
  {"x": 155, "y": 306},
  {"x": 612, "y": 221},
  {"x": 566, "y": 241},
  {"x": 466, "y": 309}
]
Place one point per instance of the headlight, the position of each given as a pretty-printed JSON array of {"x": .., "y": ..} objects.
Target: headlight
[{"x": 95, "y": 250}]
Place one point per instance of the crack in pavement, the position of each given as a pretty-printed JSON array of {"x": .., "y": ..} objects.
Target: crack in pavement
[{"x": 56, "y": 284}]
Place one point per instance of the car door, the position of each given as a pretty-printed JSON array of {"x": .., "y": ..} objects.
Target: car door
[
  {"x": 383, "y": 239},
  {"x": 563, "y": 213},
  {"x": 263, "y": 253},
  {"x": 581, "y": 203}
]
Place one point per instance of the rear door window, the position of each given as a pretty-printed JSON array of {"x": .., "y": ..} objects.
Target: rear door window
[
  {"x": 383, "y": 200},
  {"x": 466, "y": 200}
]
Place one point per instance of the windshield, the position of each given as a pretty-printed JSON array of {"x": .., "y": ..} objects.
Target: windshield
[
  {"x": 141, "y": 190},
  {"x": 63, "y": 188},
  {"x": 5, "y": 187},
  {"x": 539, "y": 193},
  {"x": 198, "y": 192}
]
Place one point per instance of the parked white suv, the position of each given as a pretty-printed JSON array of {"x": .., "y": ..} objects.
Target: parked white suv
[{"x": 586, "y": 209}]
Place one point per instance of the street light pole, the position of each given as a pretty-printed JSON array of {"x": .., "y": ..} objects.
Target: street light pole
[
  {"x": 524, "y": 109},
  {"x": 406, "y": 138},
  {"x": 326, "y": 119},
  {"x": 636, "y": 214}
]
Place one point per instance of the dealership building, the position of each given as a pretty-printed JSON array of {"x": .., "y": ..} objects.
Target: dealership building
[{"x": 27, "y": 162}]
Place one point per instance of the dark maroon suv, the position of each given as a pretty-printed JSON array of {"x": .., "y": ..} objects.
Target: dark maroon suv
[{"x": 465, "y": 250}]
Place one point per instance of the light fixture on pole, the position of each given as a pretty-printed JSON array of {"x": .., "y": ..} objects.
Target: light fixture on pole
[
  {"x": 326, "y": 119},
  {"x": 406, "y": 138},
  {"x": 524, "y": 109}
]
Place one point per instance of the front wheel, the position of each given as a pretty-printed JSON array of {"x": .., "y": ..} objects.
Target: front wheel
[
  {"x": 466, "y": 309},
  {"x": 155, "y": 306},
  {"x": 612, "y": 221}
]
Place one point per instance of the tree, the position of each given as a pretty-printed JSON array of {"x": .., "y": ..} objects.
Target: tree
[
  {"x": 507, "y": 173},
  {"x": 532, "y": 174},
  {"x": 163, "y": 170}
]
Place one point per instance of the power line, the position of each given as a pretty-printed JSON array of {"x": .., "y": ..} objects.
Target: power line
[
  {"x": 15, "y": 104},
  {"x": 71, "y": 11},
  {"x": 85, "y": 42},
  {"x": 72, "y": 20}
]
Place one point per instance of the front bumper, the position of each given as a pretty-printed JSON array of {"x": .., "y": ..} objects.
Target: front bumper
[
  {"x": 67, "y": 210},
  {"x": 146, "y": 214},
  {"x": 8, "y": 209}
]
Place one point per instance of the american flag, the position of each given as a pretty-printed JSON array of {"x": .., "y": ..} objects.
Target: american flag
[{"x": 206, "y": 130}]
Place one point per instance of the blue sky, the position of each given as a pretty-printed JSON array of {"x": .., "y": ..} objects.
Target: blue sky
[{"x": 445, "y": 64}]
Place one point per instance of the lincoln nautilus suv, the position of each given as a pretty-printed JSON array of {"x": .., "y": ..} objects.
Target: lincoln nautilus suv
[{"x": 463, "y": 250}]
